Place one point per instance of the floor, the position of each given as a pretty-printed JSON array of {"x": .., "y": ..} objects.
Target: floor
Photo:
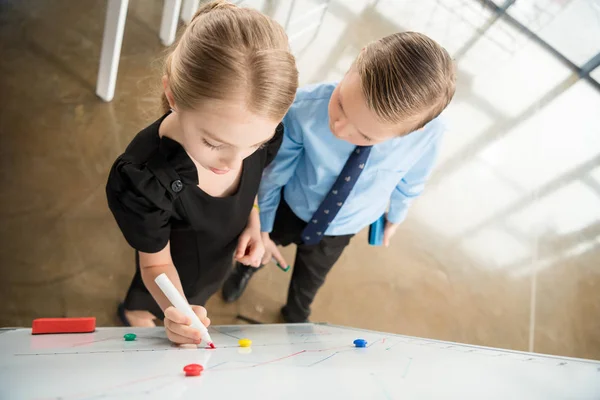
[{"x": 503, "y": 249}]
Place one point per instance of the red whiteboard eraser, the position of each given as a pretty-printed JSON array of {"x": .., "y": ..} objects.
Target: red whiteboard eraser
[{"x": 63, "y": 325}]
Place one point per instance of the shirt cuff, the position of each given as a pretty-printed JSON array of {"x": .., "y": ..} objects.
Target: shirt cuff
[
  {"x": 397, "y": 215},
  {"x": 267, "y": 219}
]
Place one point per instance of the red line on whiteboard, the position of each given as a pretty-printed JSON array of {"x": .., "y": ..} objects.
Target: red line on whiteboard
[
  {"x": 279, "y": 359},
  {"x": 260, "y": 364}
]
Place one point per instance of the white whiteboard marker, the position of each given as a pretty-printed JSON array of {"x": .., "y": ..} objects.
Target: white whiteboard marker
[{"x": 180, "y": 303}]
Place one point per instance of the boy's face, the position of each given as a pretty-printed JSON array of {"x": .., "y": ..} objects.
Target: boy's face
[{"x": 351, "y": 120}]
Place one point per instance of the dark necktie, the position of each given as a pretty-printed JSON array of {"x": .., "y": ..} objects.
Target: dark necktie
[{"x": 335, "y": 198}]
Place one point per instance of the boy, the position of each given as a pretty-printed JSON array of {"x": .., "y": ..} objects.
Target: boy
[{"x": 350, "y": 150}]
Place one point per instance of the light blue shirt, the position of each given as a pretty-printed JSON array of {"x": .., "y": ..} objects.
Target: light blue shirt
[{"x": 311, "y": 157}]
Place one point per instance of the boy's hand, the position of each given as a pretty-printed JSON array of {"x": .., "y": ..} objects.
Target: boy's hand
[
  {"x": 388, "y": 232},
  {"x": 250, "y": 248},
  {"x": 271, "y": 251},
  {"x": 177, "y": 325}
]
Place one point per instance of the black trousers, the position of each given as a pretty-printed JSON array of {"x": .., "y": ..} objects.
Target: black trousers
[{"x": 312, "y": 263}]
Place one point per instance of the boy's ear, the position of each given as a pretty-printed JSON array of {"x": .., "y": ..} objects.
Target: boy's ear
[{"x": 168, "y": 93}]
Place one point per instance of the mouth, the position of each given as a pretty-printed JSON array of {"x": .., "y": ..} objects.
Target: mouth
[{"x": 219, "y": 171}]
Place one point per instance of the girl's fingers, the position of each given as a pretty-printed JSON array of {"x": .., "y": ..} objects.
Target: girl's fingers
[
  {"x": 182, "y": 330},
  {"x": 176, "y": 316},
  {"x": 200, "y": 312},
  {"x": 241, "y": 247},
  {"x": 178, "y": 339},
  {"x": 246, "y": 260},
  {"x": 256, "y": 254}
]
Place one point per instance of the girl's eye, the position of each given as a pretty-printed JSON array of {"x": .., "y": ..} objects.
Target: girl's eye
[{"x": 211, "y": 146}]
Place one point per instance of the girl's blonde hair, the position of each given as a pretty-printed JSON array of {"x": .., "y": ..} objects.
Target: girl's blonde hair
[{"x": 232, "y": 53}]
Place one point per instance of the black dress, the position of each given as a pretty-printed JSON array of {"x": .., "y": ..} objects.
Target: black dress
[{"x": 153, "y": 193}]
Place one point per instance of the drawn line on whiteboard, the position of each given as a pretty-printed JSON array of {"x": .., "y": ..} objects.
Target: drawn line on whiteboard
[
  {"x": 375, "y": 342},
  {"x": 232, "y": 362},
  {"x": 263, "y": 363},
  {"x": 139, "y": 339},
  {"x": 165, "y": 349},
  {"x": 226, "y": 334},
  {"x": 216, "y": 365},
  {"x": 117, "y": 386},
  {"x": 381, "y": 386},
  {"x": 407, "y": 367},
  {"x": 95, "y": 352},
  {"x": 92, "y": 342},
  {"x": 326, "y": 358},
  {"x": 395, "y": 344},
  {"x": 346, "y": 348},
  {"x": 312, "y": 334}
]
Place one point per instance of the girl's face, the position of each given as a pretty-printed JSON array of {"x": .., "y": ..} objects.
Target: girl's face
[{"x": 219, "y": 135}]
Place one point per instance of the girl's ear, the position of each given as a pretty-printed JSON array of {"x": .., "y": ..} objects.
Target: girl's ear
[{"x": 168, "y": 93}]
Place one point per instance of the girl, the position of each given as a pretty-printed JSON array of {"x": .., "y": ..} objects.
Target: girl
[{"x": 184, "y": 191}]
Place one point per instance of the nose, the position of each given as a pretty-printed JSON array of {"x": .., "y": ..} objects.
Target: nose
[
  {"x": 232, "y": 160},
  {"x": 340, "y": 128}
]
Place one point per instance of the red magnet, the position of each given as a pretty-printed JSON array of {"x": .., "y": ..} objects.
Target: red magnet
[{"x": 193, "y": 369}]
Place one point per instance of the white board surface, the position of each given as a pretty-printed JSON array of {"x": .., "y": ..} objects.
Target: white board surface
[{"x": 302, "y": 361}]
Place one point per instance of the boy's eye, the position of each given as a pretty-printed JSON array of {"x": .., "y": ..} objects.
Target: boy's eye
[
  {"x": 211, "y": 146},
  {"x": 340, "y": 105}
]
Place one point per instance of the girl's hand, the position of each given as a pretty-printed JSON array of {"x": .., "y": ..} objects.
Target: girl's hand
[
  {"x": 250, "y": 248},
  {"x": 177, "y": 325},
  {"x": 271, "y": 251},
  {"x": 388, "y": 232}
]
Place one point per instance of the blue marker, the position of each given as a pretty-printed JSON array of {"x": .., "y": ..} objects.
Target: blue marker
[{"x": 376, "y": 232}]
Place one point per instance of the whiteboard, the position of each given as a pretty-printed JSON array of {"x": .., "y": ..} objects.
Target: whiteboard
[{"x": 296, "y": 361}]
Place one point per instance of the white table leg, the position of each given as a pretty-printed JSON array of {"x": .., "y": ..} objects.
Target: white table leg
[
  {"x": 168, "y": 24},
  {"x": 188, "y": 9},
  {"x": 114, "y": 25}
]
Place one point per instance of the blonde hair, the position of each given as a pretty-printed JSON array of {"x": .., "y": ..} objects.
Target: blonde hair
[
  {"x": 406, "y": 77},
  {"x": 232, "y": 53}
]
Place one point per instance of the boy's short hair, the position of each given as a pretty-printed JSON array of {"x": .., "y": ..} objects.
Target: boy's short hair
[{"x": 406, "y": 76}]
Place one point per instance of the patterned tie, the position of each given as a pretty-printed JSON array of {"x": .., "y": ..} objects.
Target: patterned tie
[{"x": 333, "y": 201}]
